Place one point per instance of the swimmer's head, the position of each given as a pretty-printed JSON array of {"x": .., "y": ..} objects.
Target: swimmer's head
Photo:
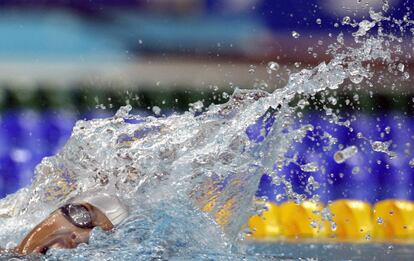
[
  {"x": 71, "y": 224},
  {"x": 109, "y": 205}
]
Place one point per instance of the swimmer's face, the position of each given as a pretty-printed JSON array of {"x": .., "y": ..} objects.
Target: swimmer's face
[{"x": 57, "y": 231}]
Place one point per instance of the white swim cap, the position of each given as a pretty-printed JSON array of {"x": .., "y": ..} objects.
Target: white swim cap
[{"x": 109, "y": 205}]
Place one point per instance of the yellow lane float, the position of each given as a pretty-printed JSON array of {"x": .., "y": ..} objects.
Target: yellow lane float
[
  {"x": 352, "y": 220},
  {"x": 266, "y": 225},
  {"x": 394, "y": 220},
  {"x": 302, "y": 220}
]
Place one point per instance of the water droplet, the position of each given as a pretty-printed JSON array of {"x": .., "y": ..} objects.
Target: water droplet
[
  {"x": 356, "y": 97},
  {"x": 364, "y": 27},
  {"x": 261, "y": 85},
  {"x": 380, "y": 220},
  {"x": 380, "y": 146},
  {"x": 333, "y": 226},
  {"x": 411, "y": 163},
  {"x": 272, "y": 66},
  {"x": 279, "y": 197},
  {"x": 385, "y": 5},
  {"x": 379, "y": 162},
  {"x": 355, "y": 170},
  {"x": 252, "y": 69},
  {"x": 343, "y": 155},
  {"x": 123, "y": 111},
  {"x": 295, "y": 34},
  {"x": 401, "y": 67},
  {"x": 332, "y": 100},
  {"x": 318, "y": 21},
  {"x": 309, "y": 167},
  {"x": 375, "y": 16},
  {"x": 196, "y": 106},
  {"x": 346, "y": 20},
  {"x": 340, "y": 38},
  {"x": 156, "y": 110},
  {"x": 356, "y": 78},
  {"x": 312, "y": 184}
]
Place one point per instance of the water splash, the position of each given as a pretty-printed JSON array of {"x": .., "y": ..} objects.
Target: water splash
[{"x": 189, "y": 179}]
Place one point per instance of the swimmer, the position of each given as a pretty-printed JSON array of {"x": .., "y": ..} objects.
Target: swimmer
[{"x": 71, "y": 224}]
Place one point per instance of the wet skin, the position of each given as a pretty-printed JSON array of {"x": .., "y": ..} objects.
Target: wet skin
[{"x": 58, "y": 232}]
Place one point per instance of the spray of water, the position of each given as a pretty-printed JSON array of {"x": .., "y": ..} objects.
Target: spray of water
[{"x": 190, "y": 179}]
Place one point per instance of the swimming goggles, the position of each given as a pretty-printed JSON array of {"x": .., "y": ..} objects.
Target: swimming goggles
[{"x": 78, "y": 215}]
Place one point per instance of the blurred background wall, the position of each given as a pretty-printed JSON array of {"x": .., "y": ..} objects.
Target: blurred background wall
[
  {"x": 172, "y": 43},
  {"x": 65, "y": 60}
]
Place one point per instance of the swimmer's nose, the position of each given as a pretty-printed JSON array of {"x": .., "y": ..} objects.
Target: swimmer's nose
[{"x": 41, "y": 241}]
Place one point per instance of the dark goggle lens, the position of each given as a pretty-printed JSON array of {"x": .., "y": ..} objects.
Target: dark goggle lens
[{"x": 78, "y": 215}]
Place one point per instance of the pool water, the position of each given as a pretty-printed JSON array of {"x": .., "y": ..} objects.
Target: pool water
[
  {"x": 190, "y": 179},
  {"x": 335, "y": 251}
]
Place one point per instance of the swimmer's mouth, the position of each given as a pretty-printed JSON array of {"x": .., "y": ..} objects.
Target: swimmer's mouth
[
  {"x": 43, "y": 250},
  {"x": 57, "y": 241}
]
